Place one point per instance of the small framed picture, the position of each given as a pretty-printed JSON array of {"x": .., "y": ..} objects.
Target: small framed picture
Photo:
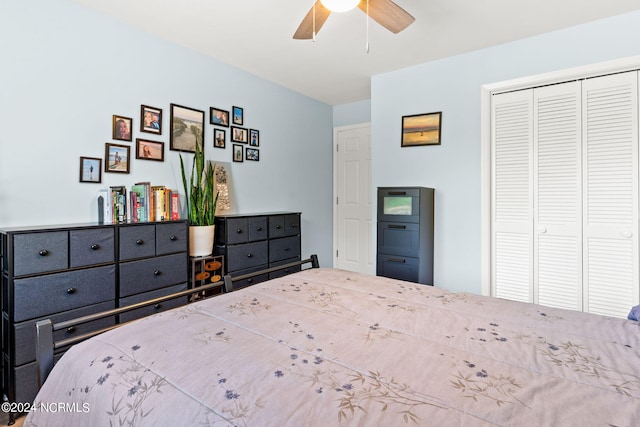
[
  {"x": 116, "y": 158},
  {"x": 90, "y": 169},
  {"x": 149, "y": 150},
  {"x": 218, "y": 117},
  {"x": 239, "y": 135},
  {"x": 219, "y": 138},
  {"x": 237, "y": 152},
  {"x": 252, "y": 154},
  {"x": 254, "y": 138},
  {"x": 238, "y": 115},
  {"x": 187, "y": 128},
  {"x": 150, "y": 119},
  {"x": 421, "y": 129},
  {"x": 121, "y": 128}
]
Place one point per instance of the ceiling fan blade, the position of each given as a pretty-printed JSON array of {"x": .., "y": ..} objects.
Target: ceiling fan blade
[
  {"x": 305, "y": 30},
  {"x": 388, "y": 14}
]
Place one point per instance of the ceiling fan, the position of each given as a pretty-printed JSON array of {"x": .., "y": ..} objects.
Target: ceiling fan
[{"x": 384, "y": 12}]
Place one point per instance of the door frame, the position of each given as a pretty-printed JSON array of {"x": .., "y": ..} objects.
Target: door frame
[
  {"x": 486, "y": 92},
  {"x": 336, "y": 130}
]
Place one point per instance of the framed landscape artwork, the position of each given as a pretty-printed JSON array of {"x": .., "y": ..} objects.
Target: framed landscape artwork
[
  {"x": 187, "y": 128},
  {"x": 421, "y": 129}
]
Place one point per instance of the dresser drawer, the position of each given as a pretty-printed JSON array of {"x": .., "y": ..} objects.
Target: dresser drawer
[
  {"x": 285, "y": 271},
  {"x": 248, "y": 255},
  {"x": 276, "y": 226},
  {"x": 152, "y": 309},
  {"x": 137, "y": 241},
  {"x": 40, "y": 252},
  {"x": 398, "y": 267},
  {"x": 292, "y": 225},
  {"x": 25, "y": 332},
  {"x": 252, "y": 280},
  {"x": 171, "y": 238},
  {"x": 91, "y": 246},
  {"x": 399, "y": 238},
  {"x": 44, "y": 295},
  {"x": 287, "y": 247},
  {"x": 257, "y": 228},
  {"x": 153, "y": 273},
  {"x": 237, "y": 231}
]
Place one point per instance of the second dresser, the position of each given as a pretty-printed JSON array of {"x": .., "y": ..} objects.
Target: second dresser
[{"x": 258, "y": 241}]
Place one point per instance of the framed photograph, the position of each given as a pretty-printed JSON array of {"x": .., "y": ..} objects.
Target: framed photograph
[
  {"x": 150, "y": 119},
  {"x": 121, "y": 128},
  {"x": 116, "y": 158},
  {"x": 421, "y": 129},
  {"x": 219, "y": 138},
  {"x": 149, "y": 150},
  {"x": 254, "y": 138},
  {"x": 90, "y": 169},
  {"x": 238, "y": 152},
  {"x": 252, "y": 154},
  {"x": 238, "y": 116},
  {"x": 239, "y": 135},
  {"x": 218, "y": 117},
  {"x": 187, "y": 128}
]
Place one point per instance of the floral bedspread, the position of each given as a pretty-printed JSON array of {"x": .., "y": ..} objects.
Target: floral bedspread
[{"x": 326, "y": 347}]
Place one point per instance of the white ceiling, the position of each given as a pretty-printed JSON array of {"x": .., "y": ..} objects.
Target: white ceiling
[{"x": 256, "y": 35}]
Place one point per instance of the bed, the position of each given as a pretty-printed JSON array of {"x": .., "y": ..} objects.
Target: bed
[{"x": 331, "y": 347}]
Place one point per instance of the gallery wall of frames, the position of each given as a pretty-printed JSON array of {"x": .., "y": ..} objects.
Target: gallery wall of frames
[{"x": 186, "y": 128}]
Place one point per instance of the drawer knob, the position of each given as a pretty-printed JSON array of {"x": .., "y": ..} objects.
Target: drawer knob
[
  {"x": 43, "y": 252},
  {"x": 139, "y": 242},
  {"x": 71, "y": 291},
  {"x": 71, "y": 329},
  {"x": 286, "y": 249},
  {"x": 249, "y": 255},
  {"x": 157, "y": 273},
  {"x": 173, "y": 238},
  {"x": 278, "y": 227},
  {"x": 259, "y": 228},
  {"x": 95, "y": 246},
  {"x": 157, "y": 306},
  {"x": 249, "y": 280},
  {"x": 239, "y": 231}
]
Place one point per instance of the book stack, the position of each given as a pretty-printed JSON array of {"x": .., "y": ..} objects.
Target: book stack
[{"x": 142, "y": 203}]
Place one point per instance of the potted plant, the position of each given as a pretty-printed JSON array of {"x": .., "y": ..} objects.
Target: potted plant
[{"x": 201, "y": 203}]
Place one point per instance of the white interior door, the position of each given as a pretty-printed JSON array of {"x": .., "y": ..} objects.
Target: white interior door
[{"x": 352, "y": 204}]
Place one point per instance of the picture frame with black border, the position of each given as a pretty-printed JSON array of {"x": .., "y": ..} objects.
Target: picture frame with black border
[
  {"x": 421, "y": 129},
  {"x": 219, "y": 138},
  {"x": 239, "y": 134},
  {"x": 116, "y": 158},
  {"x": 150, "y": 119},
  {"x": 238, "y": 153},
  {"x": 121, "y": 128},
  {"x": 187, "y": 128},
  {"x": 218, "y": 117},
  {"x": 237, "y": 116},
  {"x": 149, "y": 150},
  {"x": 91, "y": 169},
  {"x": 254, "y": 137},
  {"x": 252, "y": 154}
]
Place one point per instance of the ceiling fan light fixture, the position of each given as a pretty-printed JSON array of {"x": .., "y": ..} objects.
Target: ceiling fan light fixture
[{"x": 340, "y": 5}]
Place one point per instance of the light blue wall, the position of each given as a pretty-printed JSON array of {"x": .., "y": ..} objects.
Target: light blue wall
[
  {"x": 67, "y": 69},
  {"x": 452, "y": 86},
  {"x": 352, "y": 113}
]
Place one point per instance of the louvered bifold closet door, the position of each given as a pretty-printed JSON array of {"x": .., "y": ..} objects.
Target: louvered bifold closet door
[
  {"x": 557, "y": 235},
  {"x": 610, "y": 163},
  {"x": 511, "y": 222}
]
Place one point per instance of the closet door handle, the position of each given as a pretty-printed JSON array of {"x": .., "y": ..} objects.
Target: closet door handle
[
  {"x": 627, "y": 234},
  {"x": 542, "y": 230}
]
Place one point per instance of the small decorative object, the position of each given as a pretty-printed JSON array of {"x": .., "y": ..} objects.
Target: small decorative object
[
  {"x": 239, "y": 135},
  {"x": 238, "y": 116},
  {"x": 121, "y": 128},
  {"x": 150, "y": 119},
  {"x": 237, "y": 152},
  {"x": 218, "y": 117},
  {"x": 149, "y": 150},
  {"x": 201, "y": 203},
  {"x": 219, "y": 138},
  {"x": 187, "y": 129},
  {"x": 90, "y": 169},
  {"x": 421, "y": 129},
  {"x": 116, "y": 158},
  {"x": 252, "y": 154},
  {"x": 254, "y": 138},
  {"x": 222, "y": 177}
]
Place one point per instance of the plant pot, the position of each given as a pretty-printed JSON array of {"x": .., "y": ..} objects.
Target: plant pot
[{"x": 201, "y": 240}]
